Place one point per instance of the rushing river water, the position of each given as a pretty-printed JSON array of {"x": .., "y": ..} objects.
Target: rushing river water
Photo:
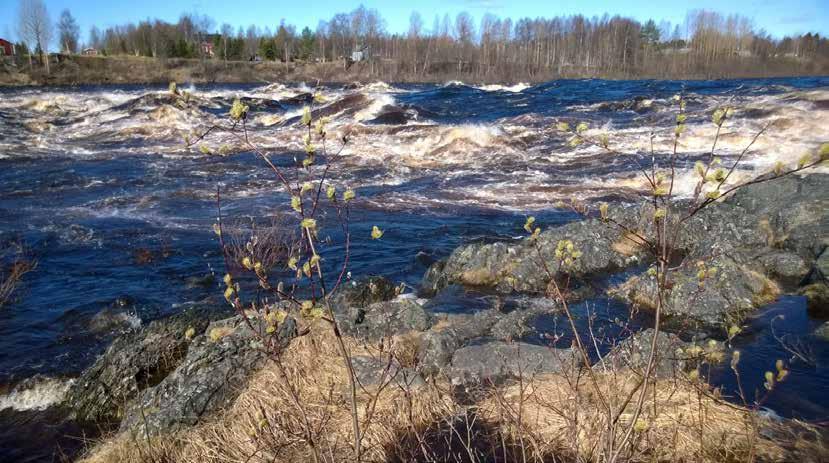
[{"x": 98, "y": 186}]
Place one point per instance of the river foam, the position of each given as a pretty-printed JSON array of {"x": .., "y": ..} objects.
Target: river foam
[{"x": 37, "y": 393}]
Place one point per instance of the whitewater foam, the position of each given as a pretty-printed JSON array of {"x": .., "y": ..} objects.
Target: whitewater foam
[
  {"x": 517, "y": 88},
  {"x": 140, "y": 122},
  {"x": 37, "y": 393},
  {"x": 378, "y": 102}
]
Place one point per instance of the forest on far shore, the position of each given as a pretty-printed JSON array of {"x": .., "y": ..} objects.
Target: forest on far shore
[{"x": 492, "y": 49}]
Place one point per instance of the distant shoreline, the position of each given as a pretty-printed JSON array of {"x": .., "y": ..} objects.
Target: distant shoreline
[{"x": 128, "y": 70}]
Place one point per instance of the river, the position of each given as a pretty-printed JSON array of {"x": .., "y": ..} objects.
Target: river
[{"x": 97, "y": 184}]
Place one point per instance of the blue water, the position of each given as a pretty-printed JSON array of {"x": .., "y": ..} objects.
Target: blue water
[{"x": 88, "y": 212}]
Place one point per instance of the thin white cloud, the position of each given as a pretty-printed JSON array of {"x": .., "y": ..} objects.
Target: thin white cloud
[{"x": 483, "y": 4}]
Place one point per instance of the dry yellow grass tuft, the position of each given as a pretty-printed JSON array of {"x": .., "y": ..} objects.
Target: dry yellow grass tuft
[
  {"x": 678, "y": 422},
  {"x": 628, "y": 245},
  {"x": 216, "y": 334},
  {"x": 768, "y": 292},
  {"x": 266, "y": 424}
]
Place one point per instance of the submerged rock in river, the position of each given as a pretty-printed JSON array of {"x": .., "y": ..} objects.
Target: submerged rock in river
[
  {"x": 764, "y": 239},
  {"x": 519, "y": 266}
]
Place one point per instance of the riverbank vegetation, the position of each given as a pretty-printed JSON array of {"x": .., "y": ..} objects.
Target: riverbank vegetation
[
  {"x": 545, "y": 418},
  {"x": 358, "y": 45}
]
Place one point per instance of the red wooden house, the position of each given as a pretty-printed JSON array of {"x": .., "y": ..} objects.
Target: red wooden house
[{"x": 6, "y": 48}]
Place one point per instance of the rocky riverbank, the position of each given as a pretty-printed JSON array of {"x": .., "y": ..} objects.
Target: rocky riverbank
[{"x": 766, "y": 240}]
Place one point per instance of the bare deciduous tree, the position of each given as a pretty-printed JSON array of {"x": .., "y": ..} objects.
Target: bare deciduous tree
[
  {"x": 95, "y": 40},
  {"x": 35, "y": 27},
  {"x": 708, "y": 44},
  {"x": 69, "y": 32}
]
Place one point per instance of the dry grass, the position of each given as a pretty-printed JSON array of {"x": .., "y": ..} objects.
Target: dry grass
[
  {"x": 559, "y": 418},
  {"x": 479, "y": 277},
  {"x": 678, "y": 422},
  {"x": 768, "y": 292},
  {"x": 264, "y": 424},
  {"x": 628, "y": 245},
  {"x": 19, "y": 265}
]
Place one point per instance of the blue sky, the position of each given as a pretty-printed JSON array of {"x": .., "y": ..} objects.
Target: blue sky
[{"x": 775, "y": 16}]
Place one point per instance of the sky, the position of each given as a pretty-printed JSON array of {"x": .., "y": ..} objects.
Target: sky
[{"x": 778, "y": 17}]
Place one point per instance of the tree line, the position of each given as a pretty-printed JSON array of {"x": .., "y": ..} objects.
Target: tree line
[{"x": 707, "y": 43}]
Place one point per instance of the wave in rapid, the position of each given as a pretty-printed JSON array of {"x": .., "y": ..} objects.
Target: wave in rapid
[
  {"x": 36, "y": 393},
  {"x": 469, "y": 159},
  {"x": 520, "y": 87}
]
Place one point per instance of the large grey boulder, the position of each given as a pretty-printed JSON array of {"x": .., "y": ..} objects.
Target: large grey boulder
[
  {"x": 452, "y": 331},
  {"x": 385, "y": 319},
  {"x": 135, "y": 361},
  {"x": 216, "y": 368},
  {"x": 494, "y": 362},
  {"x": 786, "y": 267},
  {"x": 792, "y": 212},
  {"x": 634, "y": 352},
  {"x": 716, "y": 302},
  {"x": 382, "y": 370},
  {"x": 763, "y": 240},
  {"x": 519, "y": 265}
]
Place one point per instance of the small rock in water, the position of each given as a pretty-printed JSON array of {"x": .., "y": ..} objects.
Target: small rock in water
[
  {"x": 424, "y": 258},
  {"x": 113, "y": 319},
  {"x": 364, "y": 293},
  {"x": 143, "y": 256},
  {"x": 205, "y": 281},
  {"x": 817, "y": 299},
  {"x": 823, "y": 331}
]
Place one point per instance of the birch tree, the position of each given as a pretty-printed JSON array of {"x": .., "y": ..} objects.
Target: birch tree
[
  {"x": 68, "y": 32},
  {"x": 35, "y": 27}
]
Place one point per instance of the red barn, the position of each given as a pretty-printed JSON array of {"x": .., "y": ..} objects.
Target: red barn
[{"x": 6, "y": 48}]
